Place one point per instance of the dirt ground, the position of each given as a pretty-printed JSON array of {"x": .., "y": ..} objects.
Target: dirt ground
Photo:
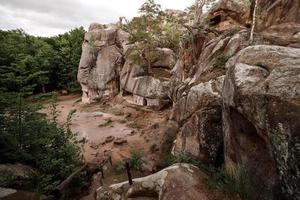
[{"x": 116, "y": 118}]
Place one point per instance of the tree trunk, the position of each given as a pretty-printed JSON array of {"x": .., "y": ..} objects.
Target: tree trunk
[
  {"x": 43, "y": 88},
  {"x": 253, "y": 21},
  {"x": 149, "y": 67}
]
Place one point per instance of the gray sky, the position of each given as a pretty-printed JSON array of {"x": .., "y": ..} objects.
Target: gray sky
[{"x": 51, "y": 17}]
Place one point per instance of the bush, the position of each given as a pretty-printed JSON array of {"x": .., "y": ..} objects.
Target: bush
[
  {"x": 135, "y": 161},
  {"x": 27, "y": 138},
  {"x": 221, "y": 61},
  {"x": 235, "y": 182}
]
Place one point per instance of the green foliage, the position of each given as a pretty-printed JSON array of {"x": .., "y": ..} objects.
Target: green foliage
[
  {"x": 231, "y": 183},
  {"x": 235, "y": 182},
  {"x": 35, "y": 64},
  {"x": 145, "y": 31},
  {"x": 183, "y": 158},
  {"x": 27, "y": 138},
  {"x": 135, "y": 161},
  {"x": 121, "y": 166},
  {"x": 221, "y": 61}
]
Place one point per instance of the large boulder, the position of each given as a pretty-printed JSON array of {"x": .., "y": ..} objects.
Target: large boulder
[
  {"x": 100, "y": 63},
  {"x": 148, "y": 89},
  {"x": 229, "y": 13},
  {"x": 261, "y": 97},
  {"x": 200, "y": 115},
  {"x": 180, "y": 181}
]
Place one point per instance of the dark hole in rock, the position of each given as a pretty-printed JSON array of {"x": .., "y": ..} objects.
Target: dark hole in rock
[
  {"x": 220, "y": 157},
  {"x": 215, "y": 20},
  {"x": 144, "y": 102}
]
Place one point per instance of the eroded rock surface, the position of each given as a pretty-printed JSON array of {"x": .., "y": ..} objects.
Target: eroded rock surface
[
  {"x": 148, "y": 89},
  {"x": 261, "y": 116},
  {"x": 180, "y": 181},
  {"x": 100, "y": 63}
]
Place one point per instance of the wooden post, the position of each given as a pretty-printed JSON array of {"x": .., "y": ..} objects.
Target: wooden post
[
  {"x": 102, "y": 172},
  {"x": 128, "y": 173},
  {"x": 110, "y": 160}
]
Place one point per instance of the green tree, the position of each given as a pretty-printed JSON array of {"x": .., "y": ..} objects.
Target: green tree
[{"x": 145, "y": 32}]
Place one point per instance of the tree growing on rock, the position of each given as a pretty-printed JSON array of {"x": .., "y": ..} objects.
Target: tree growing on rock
[
  {"x": 253, "y": 20},
  {"x": 145, "y": 32},
  {"x": 198, "y": 9}
]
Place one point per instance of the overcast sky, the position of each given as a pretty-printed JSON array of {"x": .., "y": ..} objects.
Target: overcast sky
[{"x": 51, "y": 17}]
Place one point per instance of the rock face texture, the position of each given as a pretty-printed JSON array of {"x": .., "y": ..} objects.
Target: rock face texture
[
  {"x": 200, "y": 114},
  {"x": 180, "y": 181},
  {"x": 261, "y": 116},
  {"x": 148, "y": 89},
  {"x": 100, "y": 63},
  {"x": 235, "y": 102},
  {"x": 105, "y": 68}
]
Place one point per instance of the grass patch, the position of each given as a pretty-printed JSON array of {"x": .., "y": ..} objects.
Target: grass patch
[{"x": 232, "y": 183}]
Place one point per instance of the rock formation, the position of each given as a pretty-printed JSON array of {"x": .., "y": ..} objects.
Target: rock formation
[
  {"x": 261, "y": 115},
  {"x": 100, "y": 63},
  {"x": 235, "y": 102},
  {"x": 180, "y": 181}
]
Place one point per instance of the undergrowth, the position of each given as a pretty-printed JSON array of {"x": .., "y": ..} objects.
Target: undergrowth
[
  {"x": 135, "y": 161},
  {"x": 231, "y": 183}
]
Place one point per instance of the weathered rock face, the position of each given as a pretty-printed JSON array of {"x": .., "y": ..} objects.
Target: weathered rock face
[
  {"x": 100, "y": 63},
  {"x": 230, "y": 13},
  {"x": 200, "y": 114},
  {"x": 198, "y": 107},
  {"x": 276, "y": 12},
  {"x": 180, "y": 181},
  {"x": 148, "y": 90},
  {"x": 261, "y": 97}
]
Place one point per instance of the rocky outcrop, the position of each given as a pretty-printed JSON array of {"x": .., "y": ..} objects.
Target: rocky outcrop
[
  {"x": 180, "y": 181},
  {"x": 274, "y": 12},
  {"x": 100, "y": 63},
  {"x": 198, "y": 101},
  {"x": 261, "y": 116},
  {"x": 230, "y": 13},
  {"x": 199, "y": 113},
  {"x": 148, "y": 89}
]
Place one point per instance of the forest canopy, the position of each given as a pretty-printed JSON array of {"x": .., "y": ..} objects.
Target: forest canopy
[{"x": 39, "y": 64}]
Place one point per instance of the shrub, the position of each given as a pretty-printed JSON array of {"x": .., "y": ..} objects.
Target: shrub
[
  {"x": 235, "y": 182},
  {"x": 221, "y": 61},
  {"x": 27, "y": 138},
  {"x": 135, "y": 161}
]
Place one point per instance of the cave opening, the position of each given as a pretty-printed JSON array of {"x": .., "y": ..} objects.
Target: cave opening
[{"x": 248, "y": 149}]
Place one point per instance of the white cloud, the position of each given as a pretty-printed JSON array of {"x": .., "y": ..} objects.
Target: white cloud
[{"x": 51, "y": 17}]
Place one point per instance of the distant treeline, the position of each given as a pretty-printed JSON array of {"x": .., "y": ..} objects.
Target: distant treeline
[{"x": 39, "y": 64}]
